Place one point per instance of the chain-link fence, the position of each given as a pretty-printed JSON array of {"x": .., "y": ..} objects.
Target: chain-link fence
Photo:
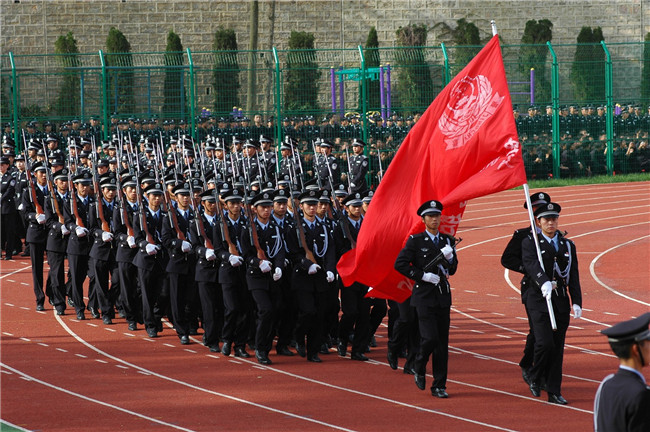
[{"x": 579, "y": 108}]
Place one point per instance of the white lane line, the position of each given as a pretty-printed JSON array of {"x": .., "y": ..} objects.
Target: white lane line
[
  {"x": 43, "y": 344},
  {"x": 25, "y": 339},
  {"x": 212, "y": 356},
  {"x": 61, "y": 349},
  {"x": 610, "y": 313},
  {"x": 24, "y": 308},
  {"x": 493, "y": 295},
  {"x": 471, "y": 292},
  {"x": 148, "y": 339},
  {"x": 110, "y": 329},
  {"x": 592, "y": 270},
  {"x": 189, "y": 351},
  {"x": 504, "y": 336},
  {"x": 169, "y": 345},
  {"x": 24, "y": 283},
  {"x": 40, "y": 312},
  {"x": 9, "y": 304},
  {"x": 92, "y": 324},
  {"x": 498, "y": 314},
  {"x": 86, "y": 398},
  {"x": 11, "y": 424},
  {"x": 129, "y": 334},
  {"x": 16, "y": 271},
  {"x": 7, "y": 334},
  {"x": 225, "y": 396},
  {"x": 81, "y": 355},
  {"x": 11, "y": 280},
  {"x": 476, "y": 331},
  {"x": 101, "y": 361},
  {"x": 121, "y": 367}
]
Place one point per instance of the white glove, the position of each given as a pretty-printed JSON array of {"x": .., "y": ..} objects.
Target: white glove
[
  {"x": 352, "y": 185},
  {"x": 21, "y": 207},
  {"x": 40, "y": 218},
  {"x": 547, "y": 290},
  {"x": 313, "y": 269},
  {"x": 277, "y": 274},
  {"x": 577, "y": 311},
  {"x": 81, "y": 231},
  {"x": 107, "y": 236},
  {"x": 448, "y": 252},
  {"x": 265, "y": 266},
  {"x": 329, "y": 276},
  {"x": 431, "y": 278},
  {"x": 130, "y": 240},
  {"x": 151, "y": 249},
  {"x": 209, "y": 255},
  {"x": 235, "y": 260},
  {"x": 186, "y": 246},
  {"x": 64, "y": 230}
]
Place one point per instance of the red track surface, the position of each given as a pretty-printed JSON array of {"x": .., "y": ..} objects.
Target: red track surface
[{"x": 59, "y": 374}]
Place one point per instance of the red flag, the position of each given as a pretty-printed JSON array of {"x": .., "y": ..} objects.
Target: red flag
[{"x": 464, "y": 146}]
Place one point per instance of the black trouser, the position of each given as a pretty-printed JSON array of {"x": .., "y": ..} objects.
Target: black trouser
[
  {"x": 405, "y": 332},
  {"x": 180, "y": 287},
  {"x": 286, "y": 311},
  {"x": 236, "y": 323},
  {"x": 212, "y": 308},
  {"x": 549, "y": 348},
  {"x": 356, "y": 314},
  {"x": 310, "y": 318},
  {"x": 434, "y": 339},
  {"x": 8, "y": 231},
  {"x": 102, "y": 270},
  {"x": 151, "y": 285},
  {"x": 79, "y": 269},
  {"x": 56, "y": 278},
  {"x": 331, "y": 310},
  {"x": 130, "y": 300},
  {"x": 37, "y": 254},
  {"x": 377, "y": 313},
  {"x": 526, "y": 361},
  {"x": 265, "y": 315}
]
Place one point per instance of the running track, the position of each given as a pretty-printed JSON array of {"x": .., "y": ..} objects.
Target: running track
[{"x": 59, "y": 374}]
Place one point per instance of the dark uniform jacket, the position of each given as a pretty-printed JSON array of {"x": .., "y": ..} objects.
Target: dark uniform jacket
[
  {"x": 154, "y": 227},
  {"x": 511, "y": 258},
  {"x": 205, "y": 271},
  {"x": 8, "y": 190},
  {"x": 319, "y": 241},
  {"x": 343, "y": 244},
  {"x": 56, "y": 241},
  {"x": 418, "y": 252},
  {"x": 321, "y": 164},
  {"x": 622, "y": 404},
  {"x": 101, "y": 250},
  {"x": 36, "y": 233},
  {"x": 358, "y": 169},
  {"x": 567, "y": 262},
  {"x": 227, "y": 273},
  {"x": 179, "y": 262},
  {"x": 124, "y": 253},
  {"x": 79, "y": 245},
  {"x": 271, "y": 241}
]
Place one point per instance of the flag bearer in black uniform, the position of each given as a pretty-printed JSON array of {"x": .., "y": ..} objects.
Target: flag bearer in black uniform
[
  {"x": 264, "y": 270},
  {"x": 207, "y": 271},
  {"x": 557, "y": 280},
  {"x": 355, "y": 307},
  {"x": 80, "y": 242},
  {"x": 359, "y": 166},
  {"x": 151, "y": 259},
  {"x": 623, "y": 399},
  {"x": 57, "y": 240},
  {"x": 102, "y": 252},
  {"x": 180, "y": 267},
  {"x": 126, "y": 252},
  {"x": 429, "y": 259},
  {"x": 314, "y": 263},
  {"x": 511, "y": 259},
  {"x": 236, "y": 298},
  {"x": 37, "y": 231}
]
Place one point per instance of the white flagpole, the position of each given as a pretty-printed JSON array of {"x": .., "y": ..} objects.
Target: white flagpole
[
  {"x": 494, "y": 27},
  {"x": 533, "y": 229}
]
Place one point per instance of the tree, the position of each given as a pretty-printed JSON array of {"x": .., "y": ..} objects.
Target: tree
[
  {"x": 121, "y": 80},
  {"x": 226, "y": 71},
  {"x": 414, "y": 85},
  {"x": 301, "y": 85},
  {"x": 371, "y": 54},
  {"x": 533, "y": 53},
  {"x": 588, "y": 69},
  {"x": 68, "y": 101},
  {"x": 175, "y": 97},
  {"x": 467, "y": 40},
  {"x": 645, "y": 74}
]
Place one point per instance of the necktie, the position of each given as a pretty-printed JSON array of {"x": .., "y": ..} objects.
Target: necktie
[
  {"x": 435, "y": 241},
  {"x": 555, "y": 245}
]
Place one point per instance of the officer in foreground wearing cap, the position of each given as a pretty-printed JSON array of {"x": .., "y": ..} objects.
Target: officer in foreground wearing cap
[
  {"x": 359, "y": 166},
  {"x": 623, "y": 399},
  {"x": 558, "y": 281},
  {"x": 511, "y": 259},
  {"x": 429, "y": 258},
  {"x": 57, "y": 239}
]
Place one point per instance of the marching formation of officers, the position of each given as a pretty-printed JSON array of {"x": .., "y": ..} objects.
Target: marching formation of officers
[{"x": 230, "y": 238}]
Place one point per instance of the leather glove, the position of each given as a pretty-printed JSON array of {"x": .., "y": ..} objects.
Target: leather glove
[
  {"x": 577, "y": 311},
  {"x": 151, "y": 249},
  {"x": 431, "y": 278},
  {"x": 81, "y": 231},
  {"x": 329, "y": 276},
  {"x": 277, "y": 274},
  {"x": 235, "y": 260},
  {"x": 313, "y": 269},
  {"x": 547, "y": 290},
  {"x": 186, "y": 246},
  {"x": 210, "y": 255},
  {"x": 107, "y": 236},
  {"x": 448, "y": 252},
  {"x": 40, "y": 218},
  {"x": 265, "y": 266},
  {"x": 130, "y": 240},
  {"x": 64, "y": 230}
]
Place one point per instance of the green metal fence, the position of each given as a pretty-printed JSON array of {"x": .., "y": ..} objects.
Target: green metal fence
[{"x": 578, "y": 108}]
